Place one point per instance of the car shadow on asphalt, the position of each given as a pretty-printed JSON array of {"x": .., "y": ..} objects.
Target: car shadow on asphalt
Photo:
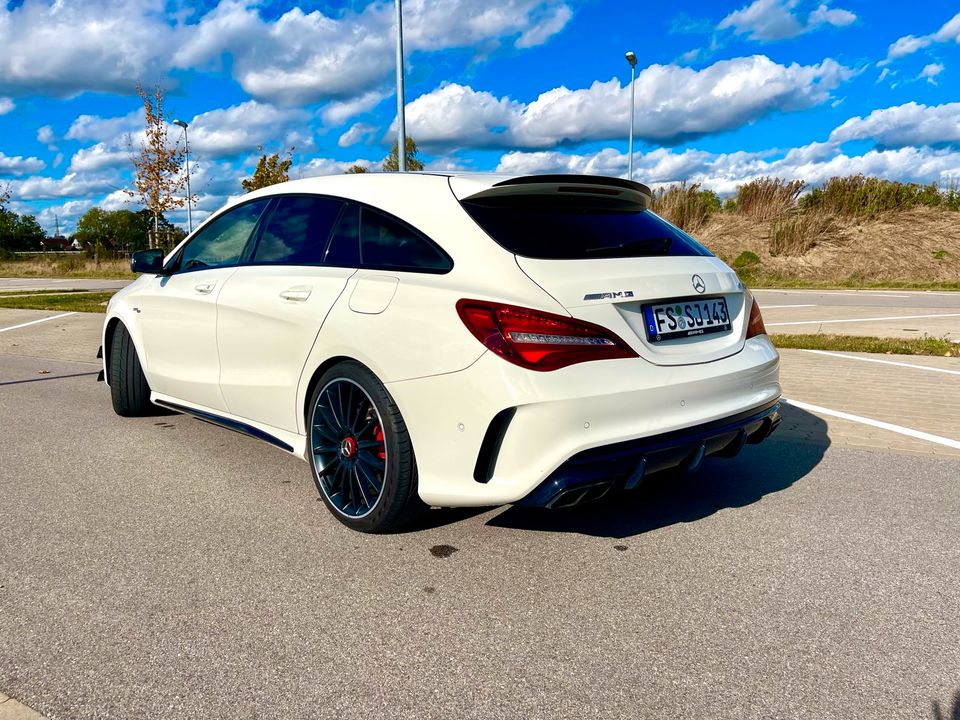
[
  {"x": 671, "y": 498},
  {"x": 48, "y": 377}
]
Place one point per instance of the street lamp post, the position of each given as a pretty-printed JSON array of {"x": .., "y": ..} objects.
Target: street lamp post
[
  {"x": 401, "y": 123},
  {"x": 186, "y": 144},
  {"x": 632, "y": 59}
]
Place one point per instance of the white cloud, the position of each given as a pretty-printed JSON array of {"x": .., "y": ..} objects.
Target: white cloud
[
  {"x": 326, "y": 166},
  {"x": 674, "y": 104},
  {"x": 358, "y": 132},
  {"x": 723, "y": 172},
  {"x": 71, "y": 185},
  {"x": 19, "y": 165},
  {"x": 98, "y": 157},
  {"x": 70, "y": 46},
  {"x": 909, "y": 44},
  {"x": 46, "y": 136},
  {"x": 772, "y": 20},
  {"x": 453, "y": 114},
  {"x": 553, "y": 23},
  {"x": 904, "y": 125},
  {"x": 6, "y": 105},
  {"x": 242, "y": 128},
  {"x": 108, "y": 130},
  {"x": 301, "y": 57},
  {"x": 337, "y": 113},
  {"x": 931, "y": 71}
]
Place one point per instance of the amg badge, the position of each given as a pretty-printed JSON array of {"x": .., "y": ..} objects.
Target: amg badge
[{"x": 615, "y": 295}]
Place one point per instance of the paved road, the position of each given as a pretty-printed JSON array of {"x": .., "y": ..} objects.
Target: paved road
[
  {"x": 862, "y": 312},
  {"x": 162, "y": 567}
]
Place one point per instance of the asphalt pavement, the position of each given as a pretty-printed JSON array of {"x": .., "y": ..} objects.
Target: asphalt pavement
[{"x": 163, "y": 567}]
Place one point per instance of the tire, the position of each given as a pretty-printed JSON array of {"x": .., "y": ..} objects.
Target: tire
[
  {"x": 360, "y": 453},
  {"x": 129, "y": 390}
]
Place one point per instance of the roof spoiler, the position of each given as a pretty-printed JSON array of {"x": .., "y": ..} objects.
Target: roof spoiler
[{"x": 632, "y": 195}]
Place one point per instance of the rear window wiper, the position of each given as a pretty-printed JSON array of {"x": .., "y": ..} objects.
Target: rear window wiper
[{"x": 659, "y": 246}]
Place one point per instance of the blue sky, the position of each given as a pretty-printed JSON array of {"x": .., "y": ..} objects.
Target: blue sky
[{"x": 726, "y": 91}]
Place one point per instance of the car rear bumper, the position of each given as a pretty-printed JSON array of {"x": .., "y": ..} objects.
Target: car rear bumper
[
  {"x": 495, "y": 433},
  {"x": 591, "y": 474}
]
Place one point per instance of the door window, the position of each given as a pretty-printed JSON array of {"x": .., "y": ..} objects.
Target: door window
[
  {"x": 221, "y": 242},
  {"x": 297, "y": 231}
]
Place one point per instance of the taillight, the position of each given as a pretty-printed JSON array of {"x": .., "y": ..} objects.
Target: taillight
[
  {"x": 539, "y": 340},
  {"x": 756, "y": 321}
]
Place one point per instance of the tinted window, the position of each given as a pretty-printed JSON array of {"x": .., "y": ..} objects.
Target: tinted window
[
  {"x": 344, "y": 246},
  {"x": 297, "y": 231},
  {"x": 566, "y": 228},
  {"x": 385, "y": 242},
  {"x": 222, "y": 241}
]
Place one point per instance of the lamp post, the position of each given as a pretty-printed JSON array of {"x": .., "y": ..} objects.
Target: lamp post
[
  {"x": 401, "y": 123},
  {"x": 632, "y": 59},
  {"x": 186, "y": 144}
]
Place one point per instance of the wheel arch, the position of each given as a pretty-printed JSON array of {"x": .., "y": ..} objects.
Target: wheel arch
[{"x": 315, "y": 378}]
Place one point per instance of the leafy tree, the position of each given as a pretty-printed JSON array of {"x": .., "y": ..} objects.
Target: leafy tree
[
  {"x": 355, "y": 169},
  {"x": 19, "y": 232},
  {"x": 159, "y": 180},
  {"x": 392, "y": 161},
  {"x": 270, "y": 170}
]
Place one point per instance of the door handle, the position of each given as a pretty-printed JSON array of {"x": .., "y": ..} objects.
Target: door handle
[
  {"x": 295, "y": 294},
  {"x": 205, "y": 288}
]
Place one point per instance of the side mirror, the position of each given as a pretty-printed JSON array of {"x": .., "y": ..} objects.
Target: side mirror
[{"x": 147, "y": 261}]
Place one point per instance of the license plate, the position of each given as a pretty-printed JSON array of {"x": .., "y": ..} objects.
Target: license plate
[{"x": 686, "y": 318}]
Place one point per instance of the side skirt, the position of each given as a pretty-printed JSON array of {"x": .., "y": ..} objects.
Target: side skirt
[{"x": 223, "y": 422}]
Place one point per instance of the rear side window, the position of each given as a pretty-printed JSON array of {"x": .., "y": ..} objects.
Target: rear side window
[
  {"x": 554, "y": 227},
  {"x": 221, "y": 243},
  {"x": 386, "y": 242},
  {"x": 297, "y": 231}
]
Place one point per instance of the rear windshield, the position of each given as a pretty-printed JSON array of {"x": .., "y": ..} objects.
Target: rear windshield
[{"x": 554, "y": 227}]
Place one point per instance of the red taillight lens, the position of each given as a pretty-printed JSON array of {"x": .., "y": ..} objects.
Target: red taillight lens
[
  {"x": 756, "y": 321},
  {"x": 539, "y": 340}
]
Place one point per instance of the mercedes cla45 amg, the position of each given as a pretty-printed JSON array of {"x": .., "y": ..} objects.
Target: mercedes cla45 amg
[{"x": 436, "y": 339}]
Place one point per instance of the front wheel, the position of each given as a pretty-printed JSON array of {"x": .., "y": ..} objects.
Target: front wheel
[{"x": 360, "y": 451}]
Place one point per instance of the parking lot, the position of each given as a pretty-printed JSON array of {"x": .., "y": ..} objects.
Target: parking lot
[{"x": 163, "y": 567}]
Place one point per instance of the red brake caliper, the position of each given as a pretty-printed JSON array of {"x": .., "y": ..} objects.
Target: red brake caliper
[{"x": 378, "y": 436}]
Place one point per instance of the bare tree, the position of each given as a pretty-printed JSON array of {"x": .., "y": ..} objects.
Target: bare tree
[{"x": 159, "y": 181}]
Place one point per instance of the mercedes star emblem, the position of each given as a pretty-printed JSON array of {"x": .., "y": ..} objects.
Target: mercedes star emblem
[{"x": 698, "y": 284}]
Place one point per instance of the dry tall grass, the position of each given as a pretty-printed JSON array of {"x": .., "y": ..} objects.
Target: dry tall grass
[
  {"x": 800, "y": 232},
  {"x": 77, "y": 266},
  {"x": 768, "y": 198},
  {"x": 686, "y": 206}
]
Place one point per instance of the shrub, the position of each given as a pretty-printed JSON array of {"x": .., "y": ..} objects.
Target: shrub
[
  {"x": 686, "y": 206},
  {"x": 857, "y": 196},
  {"x": 746, "y": 259},
  {"x": 768, "y": 198}
]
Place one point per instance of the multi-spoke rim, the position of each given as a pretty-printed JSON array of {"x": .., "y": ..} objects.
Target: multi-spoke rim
[{"x": 349, "y": 452}]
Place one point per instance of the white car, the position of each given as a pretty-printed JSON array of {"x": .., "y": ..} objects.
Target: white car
[{"x": 441, "y": 339}]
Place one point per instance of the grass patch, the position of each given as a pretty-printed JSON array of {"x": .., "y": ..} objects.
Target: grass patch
[
  {"x": 76, "y": 302},
  {"x": 854, "y": 343},
  {"x": 59, "y": 291},
  {"x": 798, "y": 233}
]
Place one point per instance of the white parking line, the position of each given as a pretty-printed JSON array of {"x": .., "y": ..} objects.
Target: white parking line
[
  {"x": 871, "y": 319},
  {"x": 774, "y": 307},
  {"x": 918, "y": 434},
  {"x": 34, "y": 322},
  {"x": 884, "y": 362}
]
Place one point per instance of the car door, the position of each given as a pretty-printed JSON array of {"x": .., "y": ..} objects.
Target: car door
[
  {"x": 178, "y": 312},
  {"x": 271, "y": 310}
]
